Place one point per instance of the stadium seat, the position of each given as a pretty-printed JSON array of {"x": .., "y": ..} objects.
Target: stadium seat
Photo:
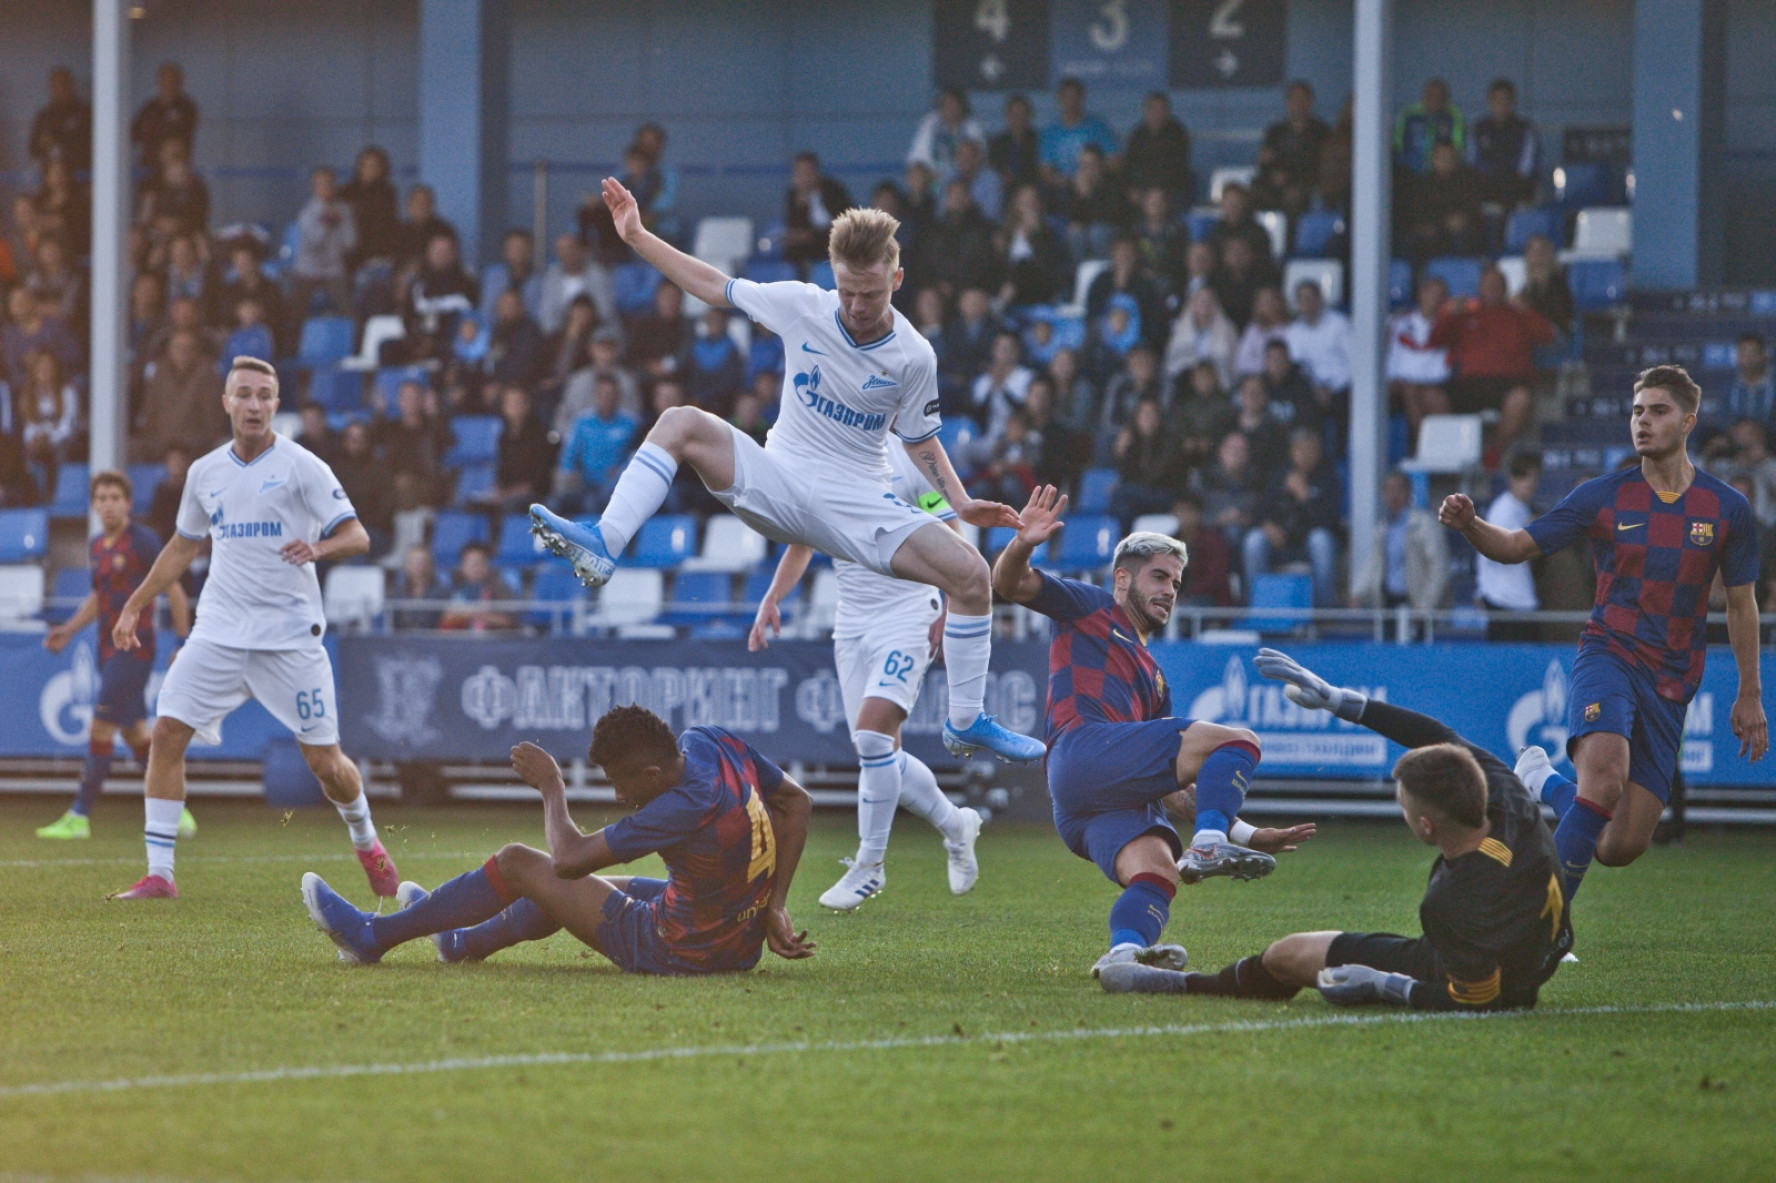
[
  {"x": 69, "y": 587},
  {"x": 767, "y": 270},
  {"x": 451, "y": 531},
  {"x": 472, "y": 481},
  {"x": 729, "y": 544},
  {"x": 759, "y": 582},
  {"x": 635, "y": 284},
  {"x": 325, "y": 341},
  {"x": 1461, "y": 274},
  {"x": 1515, "y": 271},
  {"x": 699, "y": 597},
  {"x": 1400, "y": 293},
  {"x": 518, "y": 547},
  {"x": 1525, "y": 224},
  {"x": 723, "y": 242},
  {"x": 477, "y": 440},
  {"x": 1154, "y": 523},
  {"x": 820, "y": 274},
  {"x": 24, "y": 534},
  {"x": 1446, "y": 443},
  {"x": 665, "y": 542},
  {"x": 955, "y": 433},
  {"x": 1201, "y": 223},
  {"x": 21, "y": 593},
  {"x": 634, "y": 595},
  {"x": 378, "y": 331},
  {"x": 390, "y": 378},
  {"x": 71, "y": 491},
  {"x": 556, "y": 585},
  {"x": 1276, "y": 224},
  {"x": 1095, "y": 487},
  {"x": 1584, "y": 183},
  {"x": 1087, "y": 543},
  {"x": 1236, "y": 173},
  {"x": 1596, "y": 283},
  {"x": 1087, "y": 271},
  {"x": 1314, "y": 232},
  {"x": 340, "y": 391},
  {"x": 145, "y": 481},
  {"x": 353, "y": 595},
  {"x": 1603, "y": 233},
  {"x": 1281, "y": 591},
  {"x": 1328, "y": 273},
  {"x": 999, "y": 537}
]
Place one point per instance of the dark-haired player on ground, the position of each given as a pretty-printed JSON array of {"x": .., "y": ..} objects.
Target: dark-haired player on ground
[
  {"x": 727, "y": 822},
  {"x": 1660, "y": 531},
  {"x": 1494, "y": 915},
  {"x": 120, "y": 555},
  {"x": 1117, "y": 758}
]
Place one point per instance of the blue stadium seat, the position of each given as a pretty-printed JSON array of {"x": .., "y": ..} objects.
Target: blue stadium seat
[
  {"x": 1314, "y": 232},
  {"x": 1582, "y": 183},
  {"x": 1087, "y": 543},
  {"x": 24, "y": 534},
  {"x": 999, "y": 537},
  {"x": 453, "y": 530},
  {"x": 518, "y": 547},
  {"x": 1095, "y": 487},
  {"x": 389, "y": 379},
  {"x": 71, "y": 492},
  {"x": 665, "y": 542},
  {"x": 341, "y": 392},
  {"x": 698, "y": 597},
  {"x": 1281, "y": 591},
  {"x": 472, "y": 481},
  {"x": 554, "y": 584},
  {"x": 1525, "y": 224},
  {"x": 325, "y": 341},
  {"x": 1462, "y": 275},
  {"x": 954, "y": 433},
  {"x": 759, "y": 582},
  {"x": 70, "y": 584},
  {"x": 477, "y": 440},
  {"x": 635, "y": 284},
  {"x": 820, "y": 274},
  {"x": 145, "y": 480},
  {"x": 1400, "y": 292},
  {"x": 1596, "y": 283},
  {"x": 768, "y": 270},
  {"x": 1201, "y": 224}
]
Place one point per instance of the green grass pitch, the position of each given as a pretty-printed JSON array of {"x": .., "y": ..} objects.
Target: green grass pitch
[{"x": 931, "y": 1038}]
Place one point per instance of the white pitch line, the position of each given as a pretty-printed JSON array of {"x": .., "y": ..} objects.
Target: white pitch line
[
  {"x": 187, "y": 859},
  {"x": 544, "y": 1059}
]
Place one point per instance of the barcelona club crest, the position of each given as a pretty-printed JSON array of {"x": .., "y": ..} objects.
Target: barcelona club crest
[
  {"x": 1701, "y": 533},
  {"x": 1592, "y": 710}
]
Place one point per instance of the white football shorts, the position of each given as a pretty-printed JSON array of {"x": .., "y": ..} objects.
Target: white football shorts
[
  {"x": 887, "y": 662},
  {"x": 206, "y": 681},
  {"x": 856, "y": 518}
]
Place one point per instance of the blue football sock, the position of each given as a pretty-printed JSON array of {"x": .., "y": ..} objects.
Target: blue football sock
[
  {"x": 523, "y": 921},
  {"x": 1140, "y": 913},
  {"x": 92, "y": 782},
  {"x": 462, "y": 902},
  {"x": 1221, "y": 785},
  {"x": 1575, "y": 839},
  {"x": 1560, "y": 794}
]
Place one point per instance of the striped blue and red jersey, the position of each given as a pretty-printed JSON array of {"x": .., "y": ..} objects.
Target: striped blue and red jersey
[
  {"x": 1098, "y": 669},
  {"x": 715, "y": 837},
  {"x": 1656, "y": 556},
  {"x": 118, "y": 567}
]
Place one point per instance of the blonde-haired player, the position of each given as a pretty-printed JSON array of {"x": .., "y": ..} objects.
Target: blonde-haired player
[
  {"x": 855, "y": 369},
  {"x": 271, "y": 509}
]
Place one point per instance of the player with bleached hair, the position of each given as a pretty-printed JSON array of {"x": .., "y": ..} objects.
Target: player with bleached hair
[
  {"x": 884, "y": 637},
  {"x": 856, "y": 369},
  {"x": 271, "y": 509}
]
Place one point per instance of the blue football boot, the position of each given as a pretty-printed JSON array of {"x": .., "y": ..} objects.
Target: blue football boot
[
  {"x": 986, "y": 732},
  {"x": 583, "y": 546},
  {"x": 335, "y": 916}
]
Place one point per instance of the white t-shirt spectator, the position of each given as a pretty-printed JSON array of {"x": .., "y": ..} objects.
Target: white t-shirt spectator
[
  {"x": 934, "y": 144},
  {"x": 1322, "y": 348},
  {"x": 1410, "y": 357},
  {"x": 1001, "y": 398},
  {"x": 1507, "y": 585}
]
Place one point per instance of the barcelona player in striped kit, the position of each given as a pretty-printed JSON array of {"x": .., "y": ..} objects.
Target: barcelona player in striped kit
[
  {"x": 726, "y": 821},
  {"x": 1661, "y": 530},
  {"x": 1117, "y": 757}
]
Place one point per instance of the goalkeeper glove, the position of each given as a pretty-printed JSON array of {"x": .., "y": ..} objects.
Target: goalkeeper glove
[
  {"x": 1308, "y": 688},
  {"x": 1354, "y": 985}
]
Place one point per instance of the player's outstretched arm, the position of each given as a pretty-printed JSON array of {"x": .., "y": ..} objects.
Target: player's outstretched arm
[
  {"x": 179, "y": 604},
  {"x": 1013, "y": 577},
  {"x": 1749, "y": 725},
  {"x": 1406, "y": 728},
  {"x": 697, "y": 278},
  {"x": 1496, "y": 543},
  {"x": 574, "y": 854},
  {"x": 172, "y": 562},
  {"x": 934, "y": 463},
  {"x": 789, "y": 807},
  {"x": 768, "y": 622}
]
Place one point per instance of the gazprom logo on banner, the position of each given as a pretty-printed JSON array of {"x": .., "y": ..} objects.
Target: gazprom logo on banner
[
  {"x": 65, "y": 705},
  {"x": 1539, "y": 718},
  {"x": 1289, "y": 734},
  {"x": 572, "y": 698}
]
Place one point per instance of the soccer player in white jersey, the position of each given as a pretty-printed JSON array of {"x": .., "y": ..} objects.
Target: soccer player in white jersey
[
  {"x": 856, "y": 369},
  {"x": 271, "y": 509},
  {"x": 885, "y": 636}
]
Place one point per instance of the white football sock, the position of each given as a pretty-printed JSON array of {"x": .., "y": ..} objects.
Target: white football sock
[
  {"x": 920, "y": 794},
  {"x": 1207, "y": 838},
  {"x": 878, "y": 792},
  {"x": 1537, "y": 778},
  {"x": 357, "y": 819},
  {"x": 968, "y": 644},
  {"x": 639, "y": 494},
  {"x": 160, "y": 830}
]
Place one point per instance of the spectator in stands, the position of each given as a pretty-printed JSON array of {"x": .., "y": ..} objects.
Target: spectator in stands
[
  {"x": 250, "y": 281},
  {"x": 366, "y": 482},
  {"x": 1162, "y": 240},
  {"x": 63, "y": 128},
  {"x": 967, "y": 346},
  {"x": 175, "y": 199},
  {"x": 1208, "y": 576},
  {"x": 1200, "y": 415},
  {"x": 1057, "y": 452},
  {"x": 147, "y": 322},
  {"x": 596, "y": 444},
  {"x": 515, "y": 343},
  {"x": 1747, "y": 457},
  {"x": 1094, "y": 205},
  {"x": 1073, "y": 128},
  {"x": 1148, "y": 466},
  {"x": 1289, "y": 390},
  {"x": 1289, "y": 157},
  {"x": 1501, "y": 587},
  {"x": 1111, "y": 336},
  {"x": 372, "y": 198},
  {"x": 1004, "y": 463},
  {"x": 1075, "y": 396},
  {"x": 1128, "y": 276},
  {"x": 419, "y": 227},
  {"x": 62, "y": 209},
  {"x": 1545, "y": 288},
  {"x": 1139, "y": 380},
  {"x": 749, "y": 410},
  {"x": 647, "y": 182},
  {"x": 251, "y": 336},
  {"x": 1200, "y": 267},
  {"x": 809, "y": 207},
  {"x": 413, "y": 442},
  {"x": 418, "y": 581},
  {"x": 1202, "y": 332},
  {"x": 1016, "y": 152},
  {"x": 182, "y": 403},
  {"x": 1408, "y": 562},
  {"x": 1299, "y": 519},
  {"x": 714, "y": 368},
  {"x": 526, "y": 458},
  {"x": 1440, "y": 208},
  {"x": 170, "y": 115},
  {"x": 317, "y": 435},
  {"x": 516, "y": 271},
  {"x": 983, "y": 183},
  {"x": 1319, "y": 342},
  {"x": 1270, "y": 322},
  {"x": 917, "y": 200},
  {"x": 183, "y": 316},
  {"x": 658, "y": 340},
  {"x": 1242, "y": 273},
  {"x": 1158, "y": 153},
  {"x": 942, "y": 129},
  {"x": 764, "y": 353},
  {"x": 439, "y": 295},
  {"x": 575, "y": 272},
  {"x": 1002, "y": 387},
  {"x": 31, "y": 328},
  {"x": 1753, "y": 393},
  {"x": 48, "y": 410},
  {"x": 1265, "y": 425},
  {"x": 1416, "y": 369},
  {"x": 1236, "y": 221},
  {"x": 1491, "y": 346},
  {"x": 1423, "y": 125},
  {"x": 325, "y": 232},
  {"x": 1335, "y": 160},
  {"x": 930, "y": 316},
  {"x": 1504, "y": 149},
  {"x": 187, "y": 272},
  {"x": 957, "y": 248},
  {"x": 20, "y": 243},
  {"x": 1230, "y": 488},
  {"x": 476, "y": 586},
  {"x": 57, "y": 284},
  {"x": 1032, "y": 257},
  {"x": 163, "y": 507},
  {"x": 576, "y": 398},
  {"x": 659, "y": 181}
]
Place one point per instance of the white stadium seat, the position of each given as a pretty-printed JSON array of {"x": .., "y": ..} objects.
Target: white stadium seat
[
  {"x": 353, "y": 595},
  {"x": 723, "y": 242},
  {"x": 1154, "y": 523},
  {"x": 1240, "y": 173},
  {"x": 21, "y": 594},
  {"x": 729, "y": 544},
  {"x": 1088, "y": 271},
  {"x": 1515, "y": 271},
  {"x": 634, "y": 595},
  {"x": 377, "y": 330},
  {"x": 1328, "y": 273},
  {"x": 1276, "y": 224},
  {"x": 1446, "y": 443},
  {"x": 823, "y": 604},
  {"x": 1603, "y": 232}
]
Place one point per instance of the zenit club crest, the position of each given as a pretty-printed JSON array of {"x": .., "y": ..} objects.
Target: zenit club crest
[{"x": 1701, "y": 533}]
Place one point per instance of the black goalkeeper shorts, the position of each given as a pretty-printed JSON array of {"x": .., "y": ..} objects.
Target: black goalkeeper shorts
[{"x": 1412, "y": 956}]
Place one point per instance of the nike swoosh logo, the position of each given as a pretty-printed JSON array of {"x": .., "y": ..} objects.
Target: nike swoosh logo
[
  {"x": 807, "y": 349},
  {"x": 1120, "y": 637},
  {"x": 1629, "y": 526}
]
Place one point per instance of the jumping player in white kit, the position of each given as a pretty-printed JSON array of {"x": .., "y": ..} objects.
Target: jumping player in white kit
[
  {"x": 856, "y": 368},
  {"x": 885, "y": 635},
  {"x": 271, "y": 509}
]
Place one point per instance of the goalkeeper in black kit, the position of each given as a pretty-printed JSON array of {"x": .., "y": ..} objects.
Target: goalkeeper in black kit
[{"x": 1494, "y": 915}]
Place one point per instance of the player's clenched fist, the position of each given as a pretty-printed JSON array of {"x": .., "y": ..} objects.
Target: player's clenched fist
[{"x": 1457, "y": 511}]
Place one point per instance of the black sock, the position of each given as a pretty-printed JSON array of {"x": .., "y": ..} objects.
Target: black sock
[{"x": 1246, "y": 978}]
